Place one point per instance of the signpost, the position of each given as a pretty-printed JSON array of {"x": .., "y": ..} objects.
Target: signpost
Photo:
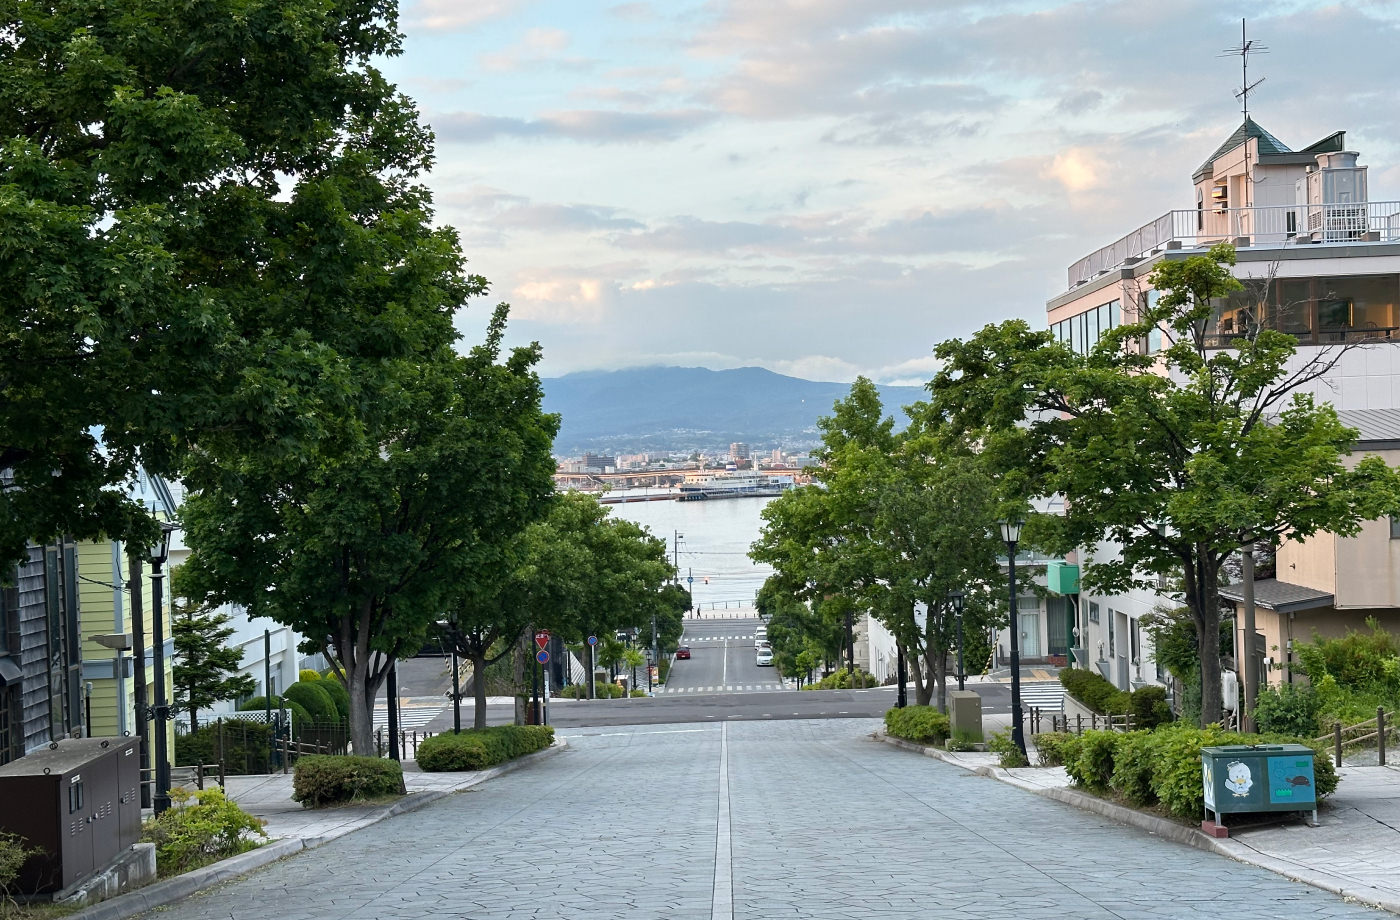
[
  {"x": 542, "y": 656},
  {"x": 542, "y": 638}
]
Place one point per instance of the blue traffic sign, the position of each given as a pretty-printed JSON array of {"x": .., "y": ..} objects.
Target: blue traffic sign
[
  {"x": 542, "y": 656},
  {"x": 592, "y": 640}
]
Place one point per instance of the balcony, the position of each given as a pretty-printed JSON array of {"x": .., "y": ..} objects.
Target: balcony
[{"x": 1367, "y": 221}]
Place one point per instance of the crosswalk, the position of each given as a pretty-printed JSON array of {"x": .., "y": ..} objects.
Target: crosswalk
[
  {"x": 727, "y": 688},
  {"x": 1049, "y": 696},
  {"x": 697, "y": 640},
  {"x": 414, "y": 711}
]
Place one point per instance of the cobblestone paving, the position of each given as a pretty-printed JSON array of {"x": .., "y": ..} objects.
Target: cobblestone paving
[{"x": 822, "y": 823}]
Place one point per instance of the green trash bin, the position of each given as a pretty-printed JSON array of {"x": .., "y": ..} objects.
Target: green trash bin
[{"x": 1258, "y": 777}]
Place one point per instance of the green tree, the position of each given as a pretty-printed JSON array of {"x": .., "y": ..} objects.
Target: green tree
[
  {"x": 1177, "y": 458},
  {"x": 204, "y": 669},
  {"x": 576, "y": 572},
  {"x": 360, "y": 552},
  {"x": 185, "y": 194}
]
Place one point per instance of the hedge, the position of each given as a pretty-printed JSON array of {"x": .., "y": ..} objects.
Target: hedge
[
  {"x": 339, "y": 695},
  {"x": 300, "y": 716},
  {"x": 923, "y": 724},
  {"x": 480, "y": 748},
  {"x": 1148, "y": 705},
  {"x": 246, "y": 746},
  {"x": 1164, "y": 766},
  {"x": 315, "y": 699},
  {"x": 323, "y": 779}
]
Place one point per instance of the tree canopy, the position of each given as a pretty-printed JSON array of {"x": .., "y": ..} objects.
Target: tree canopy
[{"x": 1176, "y": 458}]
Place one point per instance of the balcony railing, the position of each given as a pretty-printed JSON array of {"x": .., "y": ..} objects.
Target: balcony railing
[{"x": 1283, "y": 225}]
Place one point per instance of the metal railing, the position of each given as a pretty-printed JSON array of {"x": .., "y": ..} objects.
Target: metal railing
[
  {"x": 1060, "y": 722},
  {"x": 1278, "y": 225}
]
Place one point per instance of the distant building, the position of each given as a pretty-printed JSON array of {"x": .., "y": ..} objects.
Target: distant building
[
  {"x": 597, "y": 463},
  {"x": 738, "y": 451}
]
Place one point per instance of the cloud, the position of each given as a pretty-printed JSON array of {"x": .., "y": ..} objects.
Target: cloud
[
  {"x": 1077, "y": 169},
  {"x": 596, "y": 126},
  {"x": 457, "y": 15},
  {"x": 560, "y": 301},
  {"x": 690, "y": 234},
  {"x": 538, "y": 48}
]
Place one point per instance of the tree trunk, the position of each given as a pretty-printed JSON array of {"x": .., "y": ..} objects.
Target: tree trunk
[
  {"x": 1203, "y": 600},
  {"x": 477, "y": 656},
  {"x": 937, "y": 665},
  {"x": 923, "y": 681},
  {"x": 517, "y": 672},
  {"x": 361, "y": 706}
]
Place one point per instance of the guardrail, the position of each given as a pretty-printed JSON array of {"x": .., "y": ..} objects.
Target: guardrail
[
  {"x": 1360, "y": 735},
  {"x": 1279, "y": 225}
]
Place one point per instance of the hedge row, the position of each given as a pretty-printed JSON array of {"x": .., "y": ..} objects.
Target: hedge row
[
  {"x": 323, "y": 779},
  {"x": 1162, "y": 766},
  {"x": 923, "y": 724},
  {"x": 1147, "y": 705},
  {"x": 480, "y": 748}
]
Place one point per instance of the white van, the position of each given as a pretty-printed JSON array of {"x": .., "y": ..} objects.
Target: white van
[{"x": 760, "y": 636}]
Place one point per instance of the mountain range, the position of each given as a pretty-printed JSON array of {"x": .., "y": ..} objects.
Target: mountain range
[{"x": 656, "y": 409}]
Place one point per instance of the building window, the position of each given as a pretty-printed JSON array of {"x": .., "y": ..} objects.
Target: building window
[
  {"x": 1135, "y": 639},
  {"x": 1395, "y": 527},
  {"x": 8, "y": 735},
  {"x": 1112, "y": 637},
  {"x": 1093, "y": 612}
]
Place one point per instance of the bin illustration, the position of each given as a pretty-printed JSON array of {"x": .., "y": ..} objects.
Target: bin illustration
[{"x": 1260, "y": 777}]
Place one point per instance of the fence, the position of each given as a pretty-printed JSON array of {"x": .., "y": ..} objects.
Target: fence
[
  {"x": 1059, "y": 722},
  {"x": 1361, "y": 736}
]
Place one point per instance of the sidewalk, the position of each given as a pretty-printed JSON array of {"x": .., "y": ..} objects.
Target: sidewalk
[
  {"x": 292, "y": 828},
  {"x": 1354, "y": 853}
]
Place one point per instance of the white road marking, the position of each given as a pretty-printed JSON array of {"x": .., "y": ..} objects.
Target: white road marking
[{"x": 722, "y": 898}]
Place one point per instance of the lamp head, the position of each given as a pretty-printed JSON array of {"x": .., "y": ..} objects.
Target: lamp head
[
  {"x": 1011, "y": 529},
  {"x": 956, "y": 599}
]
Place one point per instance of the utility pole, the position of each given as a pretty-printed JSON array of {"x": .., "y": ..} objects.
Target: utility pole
[
  {"x": 138, "y": 629},
  {"x": 1248, "y": 665}
]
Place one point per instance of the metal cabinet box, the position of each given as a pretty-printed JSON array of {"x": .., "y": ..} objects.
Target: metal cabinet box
[
  {"x": 1261, "y": 777},
  {"x": 77, "y": 800}
]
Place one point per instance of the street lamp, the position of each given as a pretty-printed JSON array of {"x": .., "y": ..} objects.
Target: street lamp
[
  {"x": 1011, "y": 535},
  {"x": 955, "y": 598},
  {"x": 160, "y": 551}
]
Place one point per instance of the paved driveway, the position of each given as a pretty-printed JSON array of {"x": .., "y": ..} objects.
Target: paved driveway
[{"x": 752, "y": 820}]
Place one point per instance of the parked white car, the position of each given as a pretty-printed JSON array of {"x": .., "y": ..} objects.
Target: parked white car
[{"x": 765, "y": 656}]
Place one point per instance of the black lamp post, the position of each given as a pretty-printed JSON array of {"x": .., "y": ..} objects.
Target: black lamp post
[
  {"x": 1011, "y": 534},
  {"x": 955, "y": 598},
  {"x": 161, "y": 710}
]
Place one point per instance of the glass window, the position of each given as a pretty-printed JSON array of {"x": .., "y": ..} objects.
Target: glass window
[
  {"x": 1395, "y": 527},
  {"x": 1091, "y": 329},
  {"x": 1093, "y": 612},
  {"x": 1076, "y": 338},
  {"x": 1154, "y": 335},
  {"x": 1083, "y": 321},
  {"x": 1366, "y": 302}
]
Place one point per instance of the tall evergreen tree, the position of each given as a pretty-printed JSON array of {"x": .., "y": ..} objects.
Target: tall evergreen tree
[{"x": 204, "y": 670}]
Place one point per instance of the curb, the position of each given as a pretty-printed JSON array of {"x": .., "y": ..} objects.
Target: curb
[
  {"x": 1172, "y": 831},
  {"x": 163, "y": 893}
]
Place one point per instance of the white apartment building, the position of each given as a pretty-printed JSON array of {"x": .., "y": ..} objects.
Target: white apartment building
[{"x": 1319, "y": 260}]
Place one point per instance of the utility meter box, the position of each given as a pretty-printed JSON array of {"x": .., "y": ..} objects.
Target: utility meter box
[
  {"x": 79, "y": 802},
  {"x": 965, "y": 715},
  {"x": 1259, "y": 777}
]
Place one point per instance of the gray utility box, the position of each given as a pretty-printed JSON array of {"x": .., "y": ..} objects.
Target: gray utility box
[
  {"x": 965, "y": 715},
  {"x": 1258, "y": 777},
  {"x": 79, "y": 801}
]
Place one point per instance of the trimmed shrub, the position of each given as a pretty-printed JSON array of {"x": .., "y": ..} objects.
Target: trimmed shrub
[
  {"x": 315, "y": 699},
  {"x": 637, "y": 691},
  {"x": 1288, "y": 710},
  {"x": 1092, "y": 765},
  {"x": 923, "y": 724},
  {"x": 1005, "y": 748},
  {"x": 247, "y": 746},
  {"x": 324, "y": 779},
  {"x": 1051, "y": 747},
  {"x": 308, "y": 675},
  {"x": 480, "y": 748},
  {"x": 339, "y": 695},
  {"x": 1093, "y": 691},
  {"x": 200, "y": 829},
  {"x": 1149, "y": 706},
  {"x": 1134, "y": 760},
  {"x": 300, "y": 716},
  {"x": 843, "y": 680},
  {"x": 575, "y": 692}
]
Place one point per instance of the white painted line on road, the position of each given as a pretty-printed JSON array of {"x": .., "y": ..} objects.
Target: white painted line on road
[
  {"x": 666, "y": 731},
  {"x": 722, "y": 899},
  {"x": 724, "y": 677}
]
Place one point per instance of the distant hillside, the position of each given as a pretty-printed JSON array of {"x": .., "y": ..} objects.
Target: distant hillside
[{"x": 681, "y": 408}]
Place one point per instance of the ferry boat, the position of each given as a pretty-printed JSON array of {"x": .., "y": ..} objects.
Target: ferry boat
[{"x": 710, "y": 485}]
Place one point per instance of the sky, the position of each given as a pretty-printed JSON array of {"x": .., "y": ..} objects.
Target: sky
[{"x": 829, "y": 188}]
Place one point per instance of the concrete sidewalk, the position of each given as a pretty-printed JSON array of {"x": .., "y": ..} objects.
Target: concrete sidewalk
[
  {"x": 292, "y": 828},
  {"x": 1355, "y": 852}
]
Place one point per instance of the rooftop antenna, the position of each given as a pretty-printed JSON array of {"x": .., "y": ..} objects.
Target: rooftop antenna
[{"x": 1244, "y": 50}]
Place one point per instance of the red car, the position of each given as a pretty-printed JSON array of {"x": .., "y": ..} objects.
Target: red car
[{"x": 683, "y": 652}]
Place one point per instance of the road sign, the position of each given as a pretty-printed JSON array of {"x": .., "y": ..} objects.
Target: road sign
[
  {"x": 592, "y": 640},
  {"x": 542, "y": 638},
  {"x": 542, "y": 657},
  {"x": 690, "y": 579}
]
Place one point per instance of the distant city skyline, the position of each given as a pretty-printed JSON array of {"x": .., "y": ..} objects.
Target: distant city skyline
[{"x": 827, "y": 188}]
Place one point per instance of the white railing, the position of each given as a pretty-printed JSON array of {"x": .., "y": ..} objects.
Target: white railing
[{"x": 1280, "y": 225}]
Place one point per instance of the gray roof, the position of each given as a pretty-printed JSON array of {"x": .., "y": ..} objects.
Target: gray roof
[
  {"x": 1267, "y": 143},
  {"x": 1380, "y": 428},
  {"x": 1272, "y": 594}
]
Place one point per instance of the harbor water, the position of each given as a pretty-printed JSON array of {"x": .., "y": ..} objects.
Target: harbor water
[{"x": 713, "y": 547}]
